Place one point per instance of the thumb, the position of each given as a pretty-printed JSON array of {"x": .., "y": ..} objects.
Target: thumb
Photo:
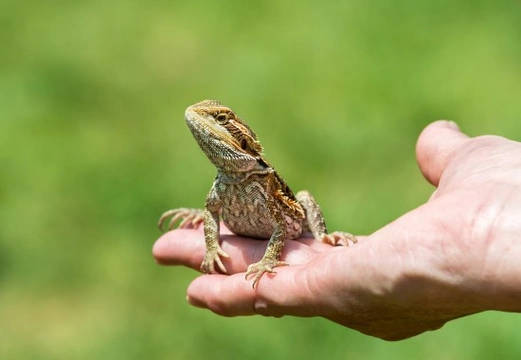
[{"x": 435, "y": 148}]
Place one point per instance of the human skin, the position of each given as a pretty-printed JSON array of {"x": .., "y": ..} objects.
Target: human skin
[{"x": 456, "y": 255}]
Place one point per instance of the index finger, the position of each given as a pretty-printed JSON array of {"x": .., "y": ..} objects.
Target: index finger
[{"x": 187, "y": 247}]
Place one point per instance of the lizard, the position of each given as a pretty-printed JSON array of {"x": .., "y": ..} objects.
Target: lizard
[{"x": 248, "y": 195}]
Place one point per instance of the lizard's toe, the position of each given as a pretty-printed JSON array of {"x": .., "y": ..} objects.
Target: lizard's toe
[
  {"x": 211, "y": 258},
  {"x": 339, "y": 238},
  {"x": 261, "y": 267},
  {"x": 190, "y": 218}
]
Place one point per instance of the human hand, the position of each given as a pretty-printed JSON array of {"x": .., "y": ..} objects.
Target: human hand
[{"x": 455, "y": 255}]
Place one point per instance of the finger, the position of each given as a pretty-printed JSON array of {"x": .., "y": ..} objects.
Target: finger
[
  {"x": 436, "y": 146},
  {"x": 224, "y": 295},
  {"x": 276, "y": 294},
  {"x": 187, "y": 247},
  {"x": 179, "y": 247},
  {"x": 292, "y": 290}
]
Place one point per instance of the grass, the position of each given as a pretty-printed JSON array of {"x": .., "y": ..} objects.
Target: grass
[{"x": 93, "y": 147}]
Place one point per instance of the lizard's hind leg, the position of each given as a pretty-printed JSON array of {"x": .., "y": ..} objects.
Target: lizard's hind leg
[
  {"x": 190, "y": 218},
  {"x": 317, "y": 225}
]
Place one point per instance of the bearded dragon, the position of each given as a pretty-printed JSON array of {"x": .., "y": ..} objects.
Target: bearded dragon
[{"x": 248, "y": 195}]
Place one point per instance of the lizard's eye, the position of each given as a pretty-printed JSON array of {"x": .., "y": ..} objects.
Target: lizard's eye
[{"x": 222, "y": 117}]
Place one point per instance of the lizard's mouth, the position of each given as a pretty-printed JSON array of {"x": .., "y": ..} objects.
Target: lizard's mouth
[
  {"x": 221, "y": 148},
  {"x": 206, "y": 129}
]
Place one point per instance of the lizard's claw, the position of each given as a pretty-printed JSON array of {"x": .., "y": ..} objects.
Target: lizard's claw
[
  {"x": 190, "y": 218},
  {"x": 261, "y": 267},
  {"x": 339, "y": 238},
  {"x": 211, "y": 258}
]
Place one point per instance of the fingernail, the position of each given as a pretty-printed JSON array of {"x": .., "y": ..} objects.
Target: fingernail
[
  {"x": 453, "y": 125},
  {"x": 194, "y": 302}
]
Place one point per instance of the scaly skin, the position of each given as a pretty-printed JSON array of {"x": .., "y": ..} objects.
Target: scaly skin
[{"x": 247, "y": 194}]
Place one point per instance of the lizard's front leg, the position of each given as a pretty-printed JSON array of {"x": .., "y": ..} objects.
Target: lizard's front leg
[
  {"x": 273, "y": 250},
  {"x": 211, "y": 234},
  {"x": 317, "y": 224}
]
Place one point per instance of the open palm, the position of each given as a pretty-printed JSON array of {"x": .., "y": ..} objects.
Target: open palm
[{"x": 455, "y": 255}]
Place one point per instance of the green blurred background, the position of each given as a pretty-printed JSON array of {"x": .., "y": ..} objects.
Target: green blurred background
[{"x": 93, "y": 148}]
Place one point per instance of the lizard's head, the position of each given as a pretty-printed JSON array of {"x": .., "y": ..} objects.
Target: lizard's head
[{"x": 225, "y": 138}]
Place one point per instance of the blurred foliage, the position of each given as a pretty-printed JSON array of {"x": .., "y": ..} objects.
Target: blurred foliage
[{"x": 93, "y": 147}]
